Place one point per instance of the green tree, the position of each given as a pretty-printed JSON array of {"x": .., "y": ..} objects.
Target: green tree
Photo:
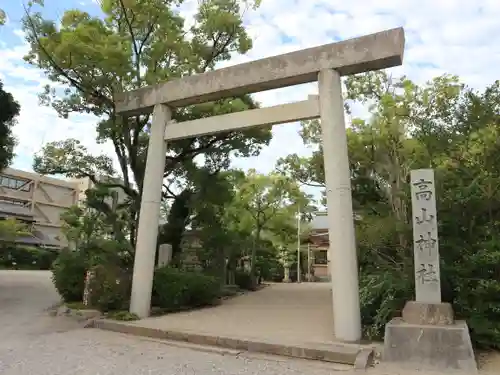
[
  {"x": 9, "y": 110},
  {"x": 453, "y": 129},
  {"x": 265, "y": 202},
  {"x": 133, "y": 44},
  {"x": 213, "y": 222},
  {"x": 97, "y": 229},
  {"x": 2, "y": 17},
  {"x": 11, "y": 229}
]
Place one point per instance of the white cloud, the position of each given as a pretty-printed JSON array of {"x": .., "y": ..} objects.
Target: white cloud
[{"x": 454, "y": 36}]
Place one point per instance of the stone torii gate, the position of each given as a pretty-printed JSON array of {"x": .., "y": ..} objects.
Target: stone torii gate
[{"x": 325, "y": 64}]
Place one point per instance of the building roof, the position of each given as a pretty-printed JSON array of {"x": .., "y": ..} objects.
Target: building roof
[
  {"x": 319, "y": 221},
  {"x": 29, "y": 240},
  {"x": 45, "y": 240}
]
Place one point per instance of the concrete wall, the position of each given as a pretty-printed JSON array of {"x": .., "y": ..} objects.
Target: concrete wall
[
  {"x": 85, "y": 183},
  {"x": 45, "y": 197}
]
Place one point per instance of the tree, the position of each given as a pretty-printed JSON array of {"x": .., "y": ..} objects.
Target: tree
[
  {"x": 138, "y": 43},
  {"x": 264, "y": 202},
  {"x": 453, "y": 129},
  {"x": 2, "y": 17},
  {"x": 11, "y": 229},
  {"x": 213, "y": 222},
  {"x": 97, "y": 229},
  {"x": 9, "y": 110}
]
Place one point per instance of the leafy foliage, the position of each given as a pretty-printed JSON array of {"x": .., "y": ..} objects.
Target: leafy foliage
[
  {"x": 122, "y": 315},
  {"x": 110, "y": 288},
  {"x": 11, "y": 229},
  {"x": 25, "y": 257},
  {"x": 132, "y": 44},
  {"x": 9, "y": 110},
  {"x": 175, "y": 289},
  {"x": 443, "y": 125},
  {"x": 68, "y": 275},
  {"x": 244, "y": 280},
  {"x": 268, "y": 205}
]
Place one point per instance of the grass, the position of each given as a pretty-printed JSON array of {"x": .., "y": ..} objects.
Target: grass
[
  {"x": 122, "y": 315},
  {"x": 77, "y": 306}
]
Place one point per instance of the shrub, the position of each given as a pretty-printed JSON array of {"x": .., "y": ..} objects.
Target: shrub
[
  {"x": 244, "y": 280},
  {"x": 26, "y": 257},
  {"x": 109, "y": 288},
  {"x": 474, "y": 281},
  {"x": 68, "y": 275},
  {"x": 175, "y": 289},
  {"x": 122, "y": 315},
  {"x": 382, "y": 297}
]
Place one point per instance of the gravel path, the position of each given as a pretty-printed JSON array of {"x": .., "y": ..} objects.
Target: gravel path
[
  {"x": 91, "y": 352},
  {"x": 33, "y": 343}
]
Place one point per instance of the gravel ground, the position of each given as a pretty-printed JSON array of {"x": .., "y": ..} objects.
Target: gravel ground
[
  {"x": 33, "y": 343},
  {"x": 89, "y": 351}
]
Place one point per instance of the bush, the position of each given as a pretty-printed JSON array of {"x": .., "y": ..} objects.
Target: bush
[
  {"x": 382, "y": 297},
  {"x": 175, "y": 289},
  {"x": 68, "y": 275},
  {"x": 109, "y": 288},
  {"x": 26, "y": 257},
  {"x": 122, "y": 315},
  {"x": 244, "y": 280},
  {"x": 474, "y": 281}
]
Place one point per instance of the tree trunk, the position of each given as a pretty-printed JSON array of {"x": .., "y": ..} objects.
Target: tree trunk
[{"x": 254, "y": 256}]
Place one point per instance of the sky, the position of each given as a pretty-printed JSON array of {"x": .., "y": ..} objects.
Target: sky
[{"x": 445, "y": 36}]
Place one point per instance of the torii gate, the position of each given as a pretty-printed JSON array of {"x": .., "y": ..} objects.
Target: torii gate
[{"x": 325, "y": 64}]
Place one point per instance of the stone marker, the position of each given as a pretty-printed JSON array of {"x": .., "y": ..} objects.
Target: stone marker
[
  {"x": 425, "y": 236},
  {"x": 164, "y": 255},
  {"x": 427, "y": 337}
]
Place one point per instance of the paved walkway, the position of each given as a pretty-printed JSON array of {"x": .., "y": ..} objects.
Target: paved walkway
[{"x": 285, "y": 312}]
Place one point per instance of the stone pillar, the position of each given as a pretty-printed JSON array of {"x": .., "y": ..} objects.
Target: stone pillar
[
  {"x": 427, "y": 337},
  {"x": 342, "y": 253},
  {"x": 164, "y": 255},
  {"x": 425, "y": 237},
  {"x": 286, "y": 276},
  {"x": 87, "y": 290},
  {"x": 147, "y": 233}
]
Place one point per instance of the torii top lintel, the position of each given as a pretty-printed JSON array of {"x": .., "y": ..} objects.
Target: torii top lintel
[{"x": 370, "y": 52}]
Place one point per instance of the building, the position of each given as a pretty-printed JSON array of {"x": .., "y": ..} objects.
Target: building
[
  {"x": 86, "y": 183},
  {"x": 37, "y": 201},
  {"x": 319, "y": 244},
  {"x": 318, "y": 240}
]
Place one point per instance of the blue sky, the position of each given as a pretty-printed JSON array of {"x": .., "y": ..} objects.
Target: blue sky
[{"x": 445, "y": 36}]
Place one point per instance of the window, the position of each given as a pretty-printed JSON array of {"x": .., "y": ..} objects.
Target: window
[
  {"x": 321, "y": 257},
  {"x": 14, "y": 183}
]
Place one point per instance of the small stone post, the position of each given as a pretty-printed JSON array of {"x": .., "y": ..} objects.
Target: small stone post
[
  {"x": 164, "y": 255},
  {"x": 87, "y": 291},
  {"x": 427, "y": 337},
  {"x": 286, "y": 276}
]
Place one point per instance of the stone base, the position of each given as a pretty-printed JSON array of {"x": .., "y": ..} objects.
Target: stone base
[
  {"x": 429, "y": 347},
  {"x": 428, "y": 313}
]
